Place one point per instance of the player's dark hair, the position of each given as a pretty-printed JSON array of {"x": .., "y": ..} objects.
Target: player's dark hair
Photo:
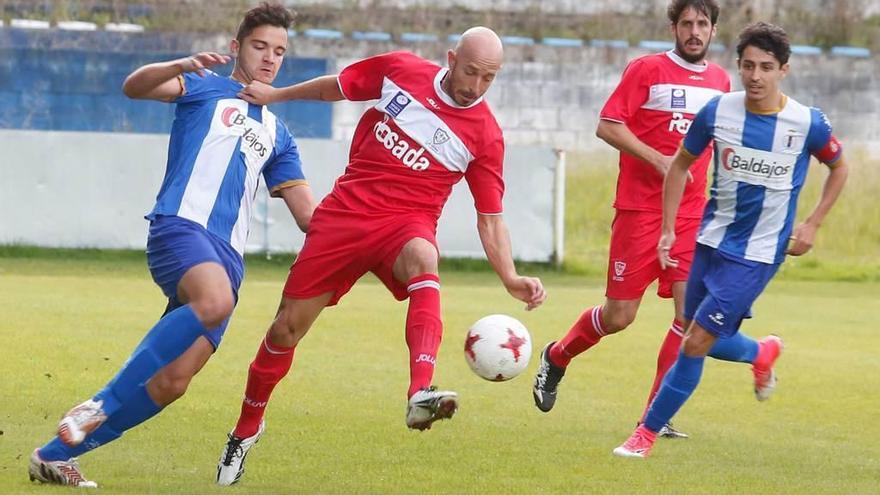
[
  {"x": 768, "y": 37},
  {"x": 272, "y": 14},
  {"x": 708, "y": 8}
]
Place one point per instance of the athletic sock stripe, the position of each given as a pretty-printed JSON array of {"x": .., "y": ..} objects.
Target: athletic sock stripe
[
  {"x": 274, "y": 351},
  {"x": 676, "y": 330},
  {"x": 597, "y": 321},
  {"x": 433, "y": 284}
]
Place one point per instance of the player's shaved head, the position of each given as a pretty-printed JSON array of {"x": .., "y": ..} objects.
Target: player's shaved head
[
  {"x": 480, "y": 43},
  {"x": 473, "y": 64}
]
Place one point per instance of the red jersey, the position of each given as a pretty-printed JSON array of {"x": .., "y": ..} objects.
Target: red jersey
[
  {"x": 657, "y": 99},
  {"x": 415, "y": 143}
]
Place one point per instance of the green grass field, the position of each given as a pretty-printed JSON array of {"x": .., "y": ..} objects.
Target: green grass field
[{"x": 335, "y": 425}]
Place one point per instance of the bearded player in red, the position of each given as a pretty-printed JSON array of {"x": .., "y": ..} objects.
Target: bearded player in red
[
  {"x": 429, "y": 128},
  {"x": 646, "y": 118}
]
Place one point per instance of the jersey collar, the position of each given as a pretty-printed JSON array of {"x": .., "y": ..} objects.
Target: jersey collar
[
  {"x": 685, "y": 64},
  {"x": 438, "y": 88}
]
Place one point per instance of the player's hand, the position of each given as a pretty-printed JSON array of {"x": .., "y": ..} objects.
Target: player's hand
[
  {"x": 667, "y": 240},
  {"x": 662, "y": 166},
  {"x": 259, "y": 93},
  {"x": 801, "y": 239},
  {"x": 529, "y": 290},
  {"x": 200, "y": 61}
]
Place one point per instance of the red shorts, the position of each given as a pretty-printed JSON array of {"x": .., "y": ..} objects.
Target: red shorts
[
  {"x": 343, "y": 245},
  {"x": 632, "y": 260}
]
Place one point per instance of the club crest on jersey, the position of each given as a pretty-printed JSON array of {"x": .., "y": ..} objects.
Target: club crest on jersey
[
  {"x": 679, "y": 98},
  {"x": 793, "y": 139},
  {"x": 397, "y": 104},
  {"x": 619, "y": 269}
]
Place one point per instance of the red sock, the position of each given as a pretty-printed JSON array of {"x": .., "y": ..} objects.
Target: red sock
[
  {"x": 665, "y": 359},
  {"x": 270, "y": 365},
  {"x": 423, "y": 330},
  {"x": 585, "y": 333}
]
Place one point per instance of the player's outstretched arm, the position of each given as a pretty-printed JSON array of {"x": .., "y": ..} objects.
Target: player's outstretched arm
[
  {"x": 301, "y": 203},
  {"x": 323, "y": 88},
  {"x": 159, "y": 81},
  {"x": 673, "y": 189},
  {"x": 805, "y": 233},
  {"x": 496, "y": 244}
]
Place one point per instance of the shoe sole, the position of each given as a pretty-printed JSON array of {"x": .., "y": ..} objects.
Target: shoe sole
[
  {"x": 446, "y": 408},
  {"x": 622, "y": 452}
]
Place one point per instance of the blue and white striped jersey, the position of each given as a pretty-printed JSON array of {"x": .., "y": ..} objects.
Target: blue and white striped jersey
[
  {"x": 219, "y": 146},
  {"x": 760, "y": 164}
]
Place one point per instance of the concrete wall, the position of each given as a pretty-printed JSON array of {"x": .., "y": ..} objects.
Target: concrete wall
[
  {"x": 92, "y": 189},
  {"x": 544, "y": 95},
  {"x": 552, "y": 96}
]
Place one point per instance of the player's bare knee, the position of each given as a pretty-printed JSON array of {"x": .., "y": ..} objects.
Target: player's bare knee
[
  {"x": 283, "y": 331},
  {"x": 417, "y": 257},
  {"x": 617, "y": 321},
  {"x": 212, "y": 309}
]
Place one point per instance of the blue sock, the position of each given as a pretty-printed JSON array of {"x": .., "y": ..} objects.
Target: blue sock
[
  {"x": 139, "y": 408},
  {"x": 679, "y": 384},
  {"x": 739, "y": 348},
  {"x": 165, "y": 342}
]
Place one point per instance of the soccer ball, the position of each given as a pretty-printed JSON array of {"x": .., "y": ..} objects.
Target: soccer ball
[{"x": 498, "y": 347}]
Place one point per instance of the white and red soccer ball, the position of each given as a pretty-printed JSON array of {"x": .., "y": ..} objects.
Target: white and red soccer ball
[{"x": 498, "y": 347}]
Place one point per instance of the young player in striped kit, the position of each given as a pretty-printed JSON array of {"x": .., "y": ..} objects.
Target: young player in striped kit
[
  {"x": 645, "y": 118},
  {"x": 763, "y": 142},
  {"x": 219, "y": 147}
]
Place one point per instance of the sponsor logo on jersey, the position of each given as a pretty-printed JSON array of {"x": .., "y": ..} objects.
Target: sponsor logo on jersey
[
  {"x": 758, "y": 167},
  {"x": 680, "y": 123},
  {"x": 432, "y": 102},
  {"x": 695, "y": 77},
  {"x": 397, "y": 104},
  {"x": 679, "y": 98},
  {"x": 619, "y": 269},
  {"x": 232, "y": 117},
  {"x": 399, "y": 147}
]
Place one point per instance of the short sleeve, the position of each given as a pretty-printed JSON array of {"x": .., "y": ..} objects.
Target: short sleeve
[
  {"x": 198, "y": 88},
  {"x": 486, "y": 180},
  {"x": 702, "y": 129},
  {"x": 631, "y": 93},
  {"x": 362, "y": 80},
  {"x": 821, "y": 142},
  {"x": 285, "y": 168}
]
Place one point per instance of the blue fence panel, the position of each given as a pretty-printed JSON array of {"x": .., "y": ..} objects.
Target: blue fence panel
[
  {"x": 805, "y": 50},
  {"x": 657, "y": 46},
  {"x": 73, "y": 90},
  {"x": 850, "y": 51}
]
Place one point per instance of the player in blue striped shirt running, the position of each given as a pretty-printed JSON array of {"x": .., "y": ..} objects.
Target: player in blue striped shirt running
[{"x": 763, "y": 143}]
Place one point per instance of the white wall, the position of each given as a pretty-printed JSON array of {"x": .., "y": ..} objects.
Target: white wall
[{"x": 73, "y": 189}]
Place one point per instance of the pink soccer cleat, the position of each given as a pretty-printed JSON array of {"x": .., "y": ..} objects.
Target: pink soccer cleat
[
  {"x": 770, "y": 347},
  {"x": 638, "y": 445}
]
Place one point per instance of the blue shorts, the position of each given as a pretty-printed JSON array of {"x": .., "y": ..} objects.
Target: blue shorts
[
  {"x": 175, "y": 245},
  {"x": 721, "y": 289}
]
